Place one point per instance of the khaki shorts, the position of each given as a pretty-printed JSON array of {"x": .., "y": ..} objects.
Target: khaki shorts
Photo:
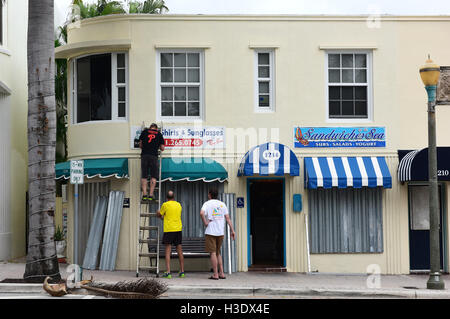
[{"x": 213, "y": 244}]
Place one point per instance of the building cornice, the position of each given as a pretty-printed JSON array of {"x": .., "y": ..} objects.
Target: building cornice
[{"x": 262, "y": 17}]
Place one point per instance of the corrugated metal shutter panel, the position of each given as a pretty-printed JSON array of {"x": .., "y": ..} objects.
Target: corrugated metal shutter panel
[
  {"x": 88, "y": 194},
  {"x": 229, "y": 200},
  {"x": 346, "y": 220},
  {"x": 191, "y": 196}
]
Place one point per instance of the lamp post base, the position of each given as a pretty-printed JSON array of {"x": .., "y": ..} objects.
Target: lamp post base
[{"x": 435, "y": 282}]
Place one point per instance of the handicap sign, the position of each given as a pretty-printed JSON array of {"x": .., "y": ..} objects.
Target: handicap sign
[{"x": 240, "y": 202}]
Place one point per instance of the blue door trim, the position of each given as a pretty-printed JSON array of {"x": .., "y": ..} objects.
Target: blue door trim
[{"x": 249, "y": 248}]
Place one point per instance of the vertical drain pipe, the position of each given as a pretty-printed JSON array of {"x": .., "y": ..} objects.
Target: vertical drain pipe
[{"x": 307, "y": 243}]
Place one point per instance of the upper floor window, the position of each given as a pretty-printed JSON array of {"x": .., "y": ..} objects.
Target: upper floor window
[
  {"x": 99, "y": 87},
  {"x": 264, "y": 84},
  {"x": 180, "y": 84},
  {"x": 349, "y": 85}
]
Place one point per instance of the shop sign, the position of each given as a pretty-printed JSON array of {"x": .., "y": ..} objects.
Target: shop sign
[
  {"x": 194, "y": 137},
  {"x": 339, "y": 137},
  {"x": 186, "y": 137},
  {"x": 77, "y": 172},
  {"x": 443, "y": 87}
]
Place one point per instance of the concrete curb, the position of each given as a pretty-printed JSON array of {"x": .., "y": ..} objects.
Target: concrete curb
[
  {"x": 343, "y": 293},
  {"x": 263, "y": 291},
  {"x": 189, "y": 290},
  {"x": 309, "y": 292},
  {"x": 305, "y": 292},
  {"x": 21, "y": 288}
]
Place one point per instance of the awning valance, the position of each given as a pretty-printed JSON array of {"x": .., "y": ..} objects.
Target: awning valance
[
  {"x": 100, "y": 167},
  {"x": 342, "y": 172},
  {"x": 414, "y": 165},
  {"x": 192, "y": 169},
  {"x": 269, "y": 159}
]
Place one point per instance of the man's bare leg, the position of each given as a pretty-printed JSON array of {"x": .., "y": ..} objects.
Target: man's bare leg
[
  {"x": 144, "y": 186},
  {"x": 214, "y": 264},
  {"x": 220, "y": 265},
  {"x": 180, "y": 257},
  {"x": 152, "y": 186},
  {"x": 168, "y": 249}
]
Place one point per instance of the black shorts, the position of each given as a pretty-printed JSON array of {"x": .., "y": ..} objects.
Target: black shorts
[
  {"x": 172, "y": 238},
  {"x": 149, "y": 164}
]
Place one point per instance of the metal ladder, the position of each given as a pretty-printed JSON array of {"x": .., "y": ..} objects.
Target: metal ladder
[{"x": 148, "y": 232}]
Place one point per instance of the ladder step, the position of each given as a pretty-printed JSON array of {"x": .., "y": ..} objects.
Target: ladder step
[
  {"x": 148, "y": 227},
  {"x": 147, "y": 267},
  {"x": 148, "y": 214},
  {"x": 146, "y": 241},
  {"x": 148, "y": 254},
  {"x": 144, "y": 202}
]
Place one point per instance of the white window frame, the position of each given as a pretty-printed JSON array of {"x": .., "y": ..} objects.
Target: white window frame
[
  {"x": 175, "y": 119},
  {"x": 369, "y": 84},
  {"x": 4, "y": 30},
  {"x": 114, "y": 87},
  {"x": 271, "y": 107}
]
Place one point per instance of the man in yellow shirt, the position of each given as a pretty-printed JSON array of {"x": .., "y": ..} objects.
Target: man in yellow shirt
[{"x": 170, "y": 212}]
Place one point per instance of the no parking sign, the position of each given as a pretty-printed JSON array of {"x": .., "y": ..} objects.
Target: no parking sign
[{"x": 77, "y": 172}]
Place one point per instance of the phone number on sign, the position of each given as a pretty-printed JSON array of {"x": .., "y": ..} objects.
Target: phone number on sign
[{"x": 183, "y": 142}]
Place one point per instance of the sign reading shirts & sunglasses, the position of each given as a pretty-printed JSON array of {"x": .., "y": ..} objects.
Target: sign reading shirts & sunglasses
[{"x": 187, "y": 137}]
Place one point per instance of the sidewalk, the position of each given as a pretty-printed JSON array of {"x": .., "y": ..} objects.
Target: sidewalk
[{"x": 253, "y": 284}]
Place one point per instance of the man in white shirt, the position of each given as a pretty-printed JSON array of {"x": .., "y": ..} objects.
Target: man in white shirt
[{"x": 213, "y": 214}]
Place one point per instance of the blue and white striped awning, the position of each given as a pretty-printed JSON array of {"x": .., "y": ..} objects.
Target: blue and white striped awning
[
  {"x": 269, "y": 159},
  {"x": 342, "y": 172}
]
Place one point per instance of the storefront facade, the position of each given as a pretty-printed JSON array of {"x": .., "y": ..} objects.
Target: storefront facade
[{"x": 305, "y": 115}]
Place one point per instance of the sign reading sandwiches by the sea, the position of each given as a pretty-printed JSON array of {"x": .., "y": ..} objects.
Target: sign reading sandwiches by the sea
[{"x": 339, "y": 137}]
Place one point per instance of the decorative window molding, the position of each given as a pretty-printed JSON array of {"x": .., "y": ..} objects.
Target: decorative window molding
[
  {"x": 264, "y": 80},
  {"x": 99, "y": 88},
  {"x": 359, "y": 46}
]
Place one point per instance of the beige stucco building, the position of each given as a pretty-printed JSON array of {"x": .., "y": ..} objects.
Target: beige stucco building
[
  {"x": 252, "y": 80},
  {"x": 13, "y": 128}
]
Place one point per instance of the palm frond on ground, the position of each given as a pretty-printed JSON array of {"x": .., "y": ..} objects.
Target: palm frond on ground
[{"x": 145, "y": 288}]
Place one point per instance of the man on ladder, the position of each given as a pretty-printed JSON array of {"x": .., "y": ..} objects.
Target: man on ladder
[{"x": 150, "y": 141}]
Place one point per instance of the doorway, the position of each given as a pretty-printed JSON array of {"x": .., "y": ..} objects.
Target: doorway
[
  {"x": 266, "y": 221},
  {"x": 419, "y": 227}
]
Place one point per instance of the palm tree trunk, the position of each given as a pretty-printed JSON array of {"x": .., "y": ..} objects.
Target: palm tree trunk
[{"x": 41, "y": 258}]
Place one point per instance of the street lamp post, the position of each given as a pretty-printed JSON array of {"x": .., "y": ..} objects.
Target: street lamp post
[{"x": 430, "y": 76}]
